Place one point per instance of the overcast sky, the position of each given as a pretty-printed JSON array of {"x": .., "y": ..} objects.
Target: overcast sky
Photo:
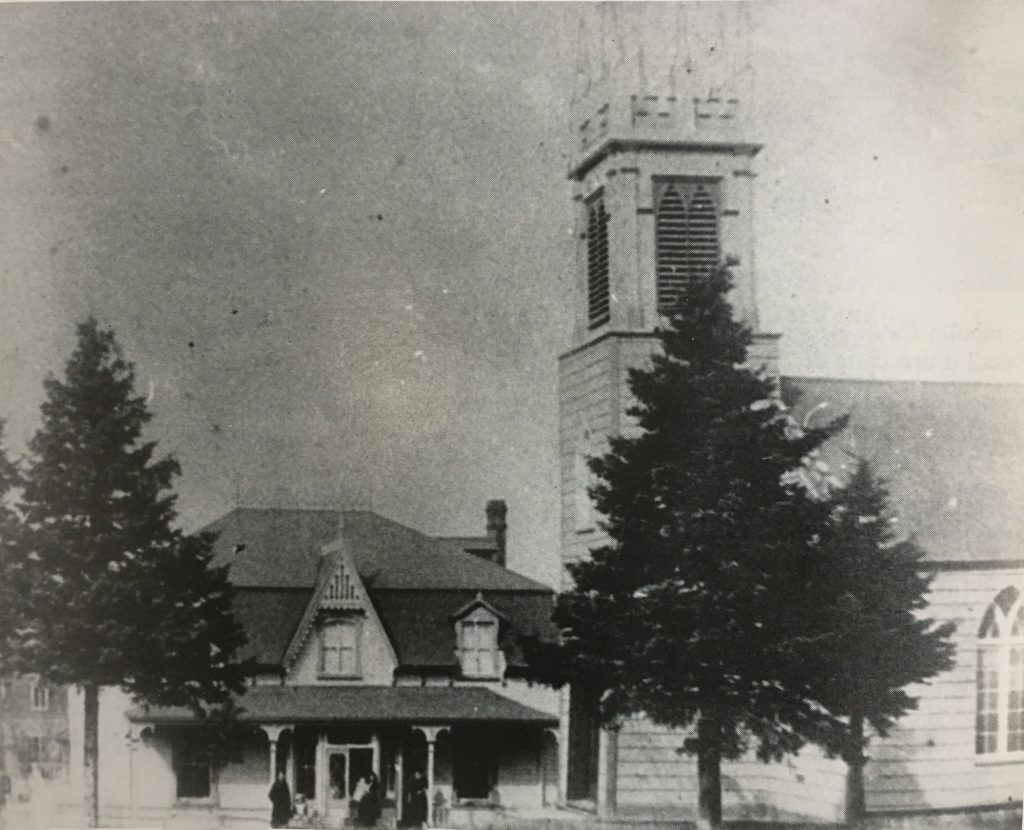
[{"x": 335, "y": 238}]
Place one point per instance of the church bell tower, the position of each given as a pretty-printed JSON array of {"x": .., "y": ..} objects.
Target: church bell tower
[{"x": 662, "y": 176}]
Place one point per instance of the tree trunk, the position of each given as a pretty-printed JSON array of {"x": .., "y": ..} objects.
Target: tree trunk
[
  {"x": 91, "y": 760},
  {"x": 709, "y": 772},
  {"x": 855, "y": 760}
]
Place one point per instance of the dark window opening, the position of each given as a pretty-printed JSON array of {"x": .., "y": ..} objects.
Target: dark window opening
[
  {"x": 584, "y": 737},
  {"x": 474, "y": 764},
  {"x": 305, "y": 763},
  {"x": 598, "y": 282},
  {"x": 686, "y": 239},
  {"x": 191, "y": 766}
]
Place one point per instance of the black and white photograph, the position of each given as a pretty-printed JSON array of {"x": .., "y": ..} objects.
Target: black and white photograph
[{"x": 512, "y": 415}]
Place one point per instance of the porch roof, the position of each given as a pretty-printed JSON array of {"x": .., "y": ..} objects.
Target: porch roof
[{"x": 365, "y": 704}]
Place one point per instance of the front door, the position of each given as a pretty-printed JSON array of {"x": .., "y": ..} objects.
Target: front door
[
  {"x": 337, "y": 783},
  {"x": 346, "y": 766}
]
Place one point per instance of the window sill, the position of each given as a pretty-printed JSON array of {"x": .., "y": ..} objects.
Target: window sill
[
  {"x": 198, "y": 801},
  {"x": 339, "y": 677},
  {"x": 1001, "y": 759}
]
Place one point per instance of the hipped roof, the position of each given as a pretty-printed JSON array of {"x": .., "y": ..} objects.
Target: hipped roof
[
  {"x": 415, "y": 582},
  {"x": 275, "y": 548}
]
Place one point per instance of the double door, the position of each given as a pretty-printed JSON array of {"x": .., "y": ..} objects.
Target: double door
[{"x": 346, "y": 765}]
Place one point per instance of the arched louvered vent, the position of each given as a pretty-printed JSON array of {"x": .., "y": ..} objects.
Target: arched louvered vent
[
  {"x": 598, "y": 286},
  {"x": 685, "y": 237}
]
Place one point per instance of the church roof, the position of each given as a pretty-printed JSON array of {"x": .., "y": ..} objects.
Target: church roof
[{"x": 952, "y": 455}]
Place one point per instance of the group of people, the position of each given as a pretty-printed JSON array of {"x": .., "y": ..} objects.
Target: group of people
[{"x": 365, "y": 797}]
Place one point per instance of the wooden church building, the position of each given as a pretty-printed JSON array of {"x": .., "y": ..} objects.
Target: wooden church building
[{"x": 663, "y": 177}]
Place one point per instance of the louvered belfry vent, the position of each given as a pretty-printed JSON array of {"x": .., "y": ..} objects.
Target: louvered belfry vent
[
  {"x": 685, "y": 236},
  {"x": 598, "y": 283}
]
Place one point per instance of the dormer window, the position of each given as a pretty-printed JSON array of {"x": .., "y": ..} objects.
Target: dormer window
[
  {"x": 479, "y": 648},
  {"x": 477, "y": 631},
  {"x": 339, "y": 648}
]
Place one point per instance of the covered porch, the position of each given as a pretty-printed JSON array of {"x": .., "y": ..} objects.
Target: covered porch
[{"x": 443, "y": 756}]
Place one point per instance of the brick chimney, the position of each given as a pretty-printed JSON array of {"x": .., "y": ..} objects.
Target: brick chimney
[{"x": 497, "y": 510}]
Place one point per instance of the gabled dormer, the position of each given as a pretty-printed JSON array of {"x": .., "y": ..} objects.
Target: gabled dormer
[
  {"x": 340, "y": 638},
  {"x": 477, "y": 635},
  {"x": 339, "y": 622}
]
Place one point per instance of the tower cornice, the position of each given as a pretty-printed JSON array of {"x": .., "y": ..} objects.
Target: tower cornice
[{"x": 611, "y": 146}]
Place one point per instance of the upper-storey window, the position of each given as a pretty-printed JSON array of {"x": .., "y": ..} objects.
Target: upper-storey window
[
  {"x": 339, "y": 648},
  {"x": 999, "y": 725},
  {"x": 598, "y": 277},
  {"x": 40, "y": 697},
  {"x": 686, "y": 243},
  {"x": 478, "y": 646}
]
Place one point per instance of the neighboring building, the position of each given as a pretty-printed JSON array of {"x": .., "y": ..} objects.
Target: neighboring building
[
  {"x": 379, "y": 648},
  {"x": 663, "y": 189},
  {"x": 33, "y": 743}
]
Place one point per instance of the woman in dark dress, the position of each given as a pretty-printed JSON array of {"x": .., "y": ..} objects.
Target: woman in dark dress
[
  {"x": 417, "y": 813},
  {"x": 281, "y": 801}
]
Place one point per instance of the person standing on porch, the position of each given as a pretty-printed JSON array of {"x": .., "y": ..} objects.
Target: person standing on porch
[
  {"x": 417, "y": 814},
  {"x": 281, "y": 802},
  {"x": 369, "y": 804}
]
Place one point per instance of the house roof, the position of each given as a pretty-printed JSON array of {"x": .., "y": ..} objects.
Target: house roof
[
  {"x": 366, "y": 704},
  {"x": 420, "y": 626},
  {"x": 270, "y": 548},
  {"x": 269, "y": 617},
  {"x": 415, "y": 582},
  {"x": 951, "y": 453}
]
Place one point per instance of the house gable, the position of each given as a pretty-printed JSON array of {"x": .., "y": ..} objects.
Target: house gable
[{"x": 340, "y": 637}]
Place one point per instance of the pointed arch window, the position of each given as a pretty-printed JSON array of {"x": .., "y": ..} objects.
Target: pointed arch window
[
  {"x": 598, "y": 274},
  {"x": 686, "y": 235},
  {"x": 999, "y": 723}
]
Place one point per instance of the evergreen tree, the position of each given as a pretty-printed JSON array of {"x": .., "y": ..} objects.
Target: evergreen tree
[
  {"x": 694, "y": 614},
  {"x": 874, "y": 641},
  {"x": 13, "y": 586},
  {"x": 119, "y": 597}
]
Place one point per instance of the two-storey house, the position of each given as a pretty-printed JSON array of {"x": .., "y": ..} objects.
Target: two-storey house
[{"x": 380, "y": 649}]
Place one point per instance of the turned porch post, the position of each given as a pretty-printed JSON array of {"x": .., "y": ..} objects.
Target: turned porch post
[
  {"x": 273, "y": 732},
  {"x": 431, "y": 733}
]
